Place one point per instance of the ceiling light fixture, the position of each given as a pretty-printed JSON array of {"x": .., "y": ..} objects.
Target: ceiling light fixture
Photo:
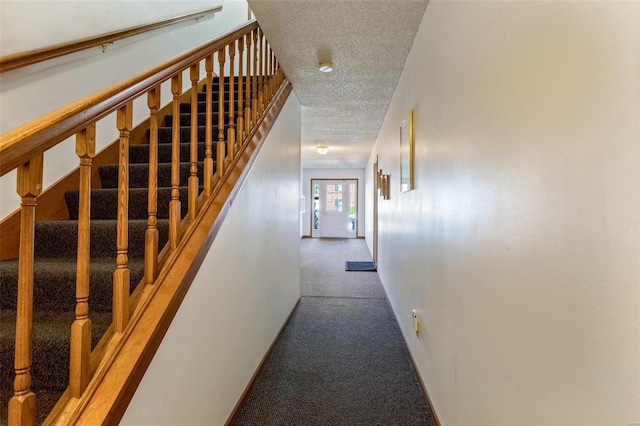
[
  {"x": 325, "y": 66},
  {"x": 322, "y": 149}
]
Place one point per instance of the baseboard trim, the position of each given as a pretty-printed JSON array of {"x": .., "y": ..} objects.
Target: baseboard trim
[
  {"x": 423, "y": 387},
  {"x": 236, "y": 410}
]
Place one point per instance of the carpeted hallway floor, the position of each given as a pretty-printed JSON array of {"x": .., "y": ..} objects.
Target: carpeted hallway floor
[{"x": 341, "y": 359}]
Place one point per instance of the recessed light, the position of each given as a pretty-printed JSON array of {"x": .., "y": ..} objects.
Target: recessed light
[
  {"x": 322, "y": 149},
  {"x": 325, "y": 66}
]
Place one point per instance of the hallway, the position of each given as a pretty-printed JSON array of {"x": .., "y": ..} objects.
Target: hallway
[{"x": 341, "y": 359}]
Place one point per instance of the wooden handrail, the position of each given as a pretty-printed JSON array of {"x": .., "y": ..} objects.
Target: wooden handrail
[
  {"x": 22, "y": 59},
  {"x": 17, "y": 146}
]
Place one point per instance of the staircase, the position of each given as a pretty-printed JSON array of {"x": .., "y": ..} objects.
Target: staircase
[{"x": 56, "y": 250}]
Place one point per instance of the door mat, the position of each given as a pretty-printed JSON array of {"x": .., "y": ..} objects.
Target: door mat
[{"x": 360, "y": 266}]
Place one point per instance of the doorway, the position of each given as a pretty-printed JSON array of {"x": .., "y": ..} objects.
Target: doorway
[{"x": 334, "y": 212}]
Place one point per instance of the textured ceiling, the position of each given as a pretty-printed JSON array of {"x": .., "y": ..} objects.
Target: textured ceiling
[{"x": 368, "y": 42}]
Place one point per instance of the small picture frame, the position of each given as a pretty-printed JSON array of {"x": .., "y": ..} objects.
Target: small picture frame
[
  {"x": 383, "y": 185},
  {"x": 406, "y": 153}
]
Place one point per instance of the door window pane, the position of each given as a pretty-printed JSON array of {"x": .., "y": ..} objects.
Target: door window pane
[
  {"x": 352, "y": 206},
  {"x": 333, "y": 202},
  {"x": 316, "y": 206}
]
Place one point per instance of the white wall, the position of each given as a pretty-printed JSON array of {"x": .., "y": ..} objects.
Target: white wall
[
  {"x": 30, "y": 92},
  {"x": 520, "y": 245},
  {"x": 308, "y": 174},
  {"x": 240, "y": 298}
]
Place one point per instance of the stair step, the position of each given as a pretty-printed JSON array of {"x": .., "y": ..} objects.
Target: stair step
[
  {"x": 185, "y": 107},
  {"x": 51, "y": 331},
  {"x": 140, "y": 153},
  {"x": 215, "y": 97},
  {"x": 49, "y": 241},
  {"x": 54, "y": 281},
  {"x": 165, "y": 134},
  {"x": 215, "y": 87},
  {"x": 139, "y": 175},
  {"x": 54, "y": 268},
  {"x": 105, "y": 201},
  {"x": 202, "y": 105},
  {"x": 185, "y": 119}
]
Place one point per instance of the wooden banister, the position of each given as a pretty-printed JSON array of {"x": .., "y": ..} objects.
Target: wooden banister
[
  {"x": 22, "y": 59},
  {"x": 18, "y": 145},
  {"x": 240, "y": 131}
]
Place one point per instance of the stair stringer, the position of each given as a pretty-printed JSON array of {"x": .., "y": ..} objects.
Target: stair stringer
[{"x": 120, "y": 360}]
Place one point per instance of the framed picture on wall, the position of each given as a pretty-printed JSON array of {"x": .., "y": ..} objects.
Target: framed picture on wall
[{"x": 406, "y": 153}]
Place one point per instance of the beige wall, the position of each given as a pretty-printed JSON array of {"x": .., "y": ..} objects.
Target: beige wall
[
  {"x": 240, "y": 298},
  {"x": 520, "y": 246}
]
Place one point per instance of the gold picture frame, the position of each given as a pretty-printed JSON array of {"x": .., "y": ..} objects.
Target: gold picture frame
[{"x": 406, "y": 153}]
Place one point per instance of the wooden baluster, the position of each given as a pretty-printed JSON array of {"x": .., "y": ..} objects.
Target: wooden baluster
[
  {"x": 208, "y": 152},
  {"x": 260, "y": 74},
  {"x": 174, "y": 203},
  {"x": 273, "y": 73},
  {"x": 151, "y": 234},
  {"x": 247, "y": 107},
  {"x": 267, "y": 76},
  {"x": 276, "y": 85},
  {"x": 220, "y": 155},
  {"x": 121, "y": 276},
  {"x": 231, "y": 131},
  {"x": 80, "y": 358},
  {"x": 254, "y": 97},
  {"x": 269, "y": 72},
  {"x": 194, "y": 73},
  {"x": 240, "y": 131},
  {"x": 22, "y": 406}
]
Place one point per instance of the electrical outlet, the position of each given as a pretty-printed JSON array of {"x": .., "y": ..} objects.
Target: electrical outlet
[{"x": 416, "y": 323}]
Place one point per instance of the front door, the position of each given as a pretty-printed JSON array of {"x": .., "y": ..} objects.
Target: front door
[{"x": 334, "y": 208}]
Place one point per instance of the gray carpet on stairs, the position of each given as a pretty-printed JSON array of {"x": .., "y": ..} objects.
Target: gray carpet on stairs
[
  {"x": 341, "y": 359},
  {"x": 55, "y": 252}
]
